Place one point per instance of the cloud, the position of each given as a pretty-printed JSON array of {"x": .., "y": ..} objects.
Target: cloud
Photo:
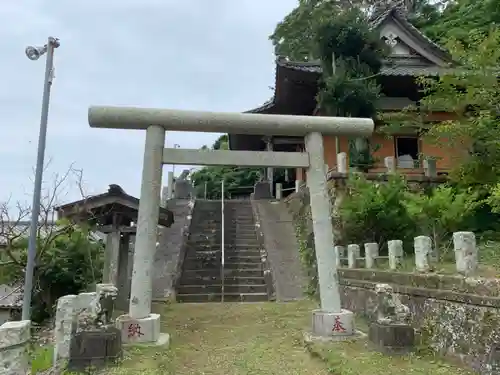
[{"x": 190, "y": 54}]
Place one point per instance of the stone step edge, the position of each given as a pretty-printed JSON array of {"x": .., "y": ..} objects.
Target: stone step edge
[
  {"x": 225, "y": 294},
  {"x": 218, "y": 285}
]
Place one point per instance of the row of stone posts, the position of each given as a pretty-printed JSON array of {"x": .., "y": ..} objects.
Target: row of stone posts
[{"x": 464, "y": 243}]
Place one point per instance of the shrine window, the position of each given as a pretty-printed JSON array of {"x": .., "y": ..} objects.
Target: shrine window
[{"x": 407, "y": 151}]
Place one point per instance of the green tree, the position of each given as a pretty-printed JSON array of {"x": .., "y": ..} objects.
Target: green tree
[
  {"x": 294, "y": 36},
  {"x": 68, "y": 258},
  {"x": 351, "y": 55},
  {"x": 471, "y": 94},
  {"x": 209, "y": 178},
  {"x": 460, "y": 18},
  {"x": 374, "y": 212},
  {"x": 236, "y": 179},
  {"x": 444, "y": 211},
  {"x": 70, "y": 262}
]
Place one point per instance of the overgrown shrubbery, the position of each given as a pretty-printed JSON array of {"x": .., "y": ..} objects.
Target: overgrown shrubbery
[
  {"x": 373, "y": 212},
  {"x": 390, "y": 210},
  {"x": 69, "y": 263},
  {"x": 379, "y": 212}
]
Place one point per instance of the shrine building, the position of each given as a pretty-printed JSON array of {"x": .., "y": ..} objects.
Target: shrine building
[{"x": 412, "y": 55}]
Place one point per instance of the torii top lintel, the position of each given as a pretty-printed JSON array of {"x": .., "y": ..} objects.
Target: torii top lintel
[{"x": 224, "y": 122}]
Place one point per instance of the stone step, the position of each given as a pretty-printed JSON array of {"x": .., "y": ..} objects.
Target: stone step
[
  {"x": 227, "y": 246},
  {"x": 233, "y": 237},
  {"x": 208, "y": 265},
  {"x": 228, "y": 297},
  {"x": 217, "y": 288},
  {"x": 228, "y": 249},
  {"x": 231, "y": 258},
  {"x": 204, "y": 273},
  {"x": 210, "y": 280},
  {"x": 244, "y": 255},
  {"x": 241, "y": 230}
]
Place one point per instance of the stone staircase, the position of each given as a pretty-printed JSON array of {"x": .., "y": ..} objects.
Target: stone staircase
[{"x": 201, "y": 279}]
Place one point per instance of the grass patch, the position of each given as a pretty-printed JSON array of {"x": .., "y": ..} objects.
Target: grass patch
[
  {"x": 355, "y": 358},
  {"x": 41, "y": 358},
  {"x": 259, "y": 339}
]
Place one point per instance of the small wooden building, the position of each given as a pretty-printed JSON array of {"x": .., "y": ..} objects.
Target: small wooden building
[
  {"x": 412, "y": 55},
  {"x": 115, "y": 214}
]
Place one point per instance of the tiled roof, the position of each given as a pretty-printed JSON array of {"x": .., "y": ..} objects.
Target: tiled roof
[
  {"x": 392, "y": 67},
  {"x": 115, "y": 192},
  {"x": 11, "y": 296},
  {"x": 388, "y": 69},
  {"x": 400, "y": 15},
  {"x": 267, "y": 105}
]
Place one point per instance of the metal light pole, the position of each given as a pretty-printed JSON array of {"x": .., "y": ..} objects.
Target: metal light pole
[
  {"x": 34, "y": 53},
  {"x": 173, "y": 165}
]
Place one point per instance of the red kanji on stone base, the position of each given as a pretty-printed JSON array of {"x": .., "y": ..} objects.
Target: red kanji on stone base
[
  {"x": 337, "y": 327},
  {"x": 134, "y": 330}
]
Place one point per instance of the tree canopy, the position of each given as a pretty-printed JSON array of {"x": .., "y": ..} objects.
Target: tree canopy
[
  {"x": 460, "y": 18},
  {"x": 337, "y": 33}
]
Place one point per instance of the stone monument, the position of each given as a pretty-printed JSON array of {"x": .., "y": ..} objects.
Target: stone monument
[
  {"x": 391, "y": 332},
  {"x": 183, "y": 189},
  {"x": 95, "y": 342}
]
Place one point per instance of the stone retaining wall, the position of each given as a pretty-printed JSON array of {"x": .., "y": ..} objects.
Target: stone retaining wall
[
  {"x": 171, "y": 250},
  {"x": 457, "y": 317}
]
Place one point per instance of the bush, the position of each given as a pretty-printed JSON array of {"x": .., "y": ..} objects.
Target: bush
[
  {"x": 69, "y": 263},
  {"x": 441, "y": 212},
  {"x": 375, "y": 212}
]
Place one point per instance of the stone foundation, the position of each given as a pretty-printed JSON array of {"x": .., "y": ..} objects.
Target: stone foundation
[
  {"x": 332, "y": 325},
  {"x": 141, "y": 331},
  {"x": 392, "y": 338}
]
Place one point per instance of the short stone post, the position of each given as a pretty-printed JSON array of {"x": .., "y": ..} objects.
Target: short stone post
[
  {"x": 342, "y": 162},
  {"x": 62, "y": 328},
  {"x": 464, "y": 244},
  {"x": 430, "y": 168},
  {"x": 164, "y": 196},
  {"x": 423, "y": 250},
  {"x": 390, "y": 164},
  {"x": 353, "y": 252},
  {"x": 170, "y": 185},
  {"x": 279, "y": 191},
  {"x": 339, "y": 254},
  {"x": 395, "y": 254},
  {"x": 297, "y": 185},
  {"x": 68, "y": 307},
  {"x": 14, "y": 348},
  {"x": 371, "y": 254}
]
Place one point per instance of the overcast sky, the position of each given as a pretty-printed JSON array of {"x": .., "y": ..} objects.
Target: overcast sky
[{"x": 209, "y": 55}]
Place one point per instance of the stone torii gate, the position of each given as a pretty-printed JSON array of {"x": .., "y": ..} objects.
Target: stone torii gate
[{"x": 140, "y": 325}]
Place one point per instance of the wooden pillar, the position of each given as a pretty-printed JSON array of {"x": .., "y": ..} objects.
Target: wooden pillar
[
  {"x": 123, "y": 279},
  {"x": 111, "y": 254},
  {"x": 270, "y": 170}
]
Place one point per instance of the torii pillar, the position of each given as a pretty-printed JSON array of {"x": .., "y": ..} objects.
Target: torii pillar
[{"x": 140, "y": 325}]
